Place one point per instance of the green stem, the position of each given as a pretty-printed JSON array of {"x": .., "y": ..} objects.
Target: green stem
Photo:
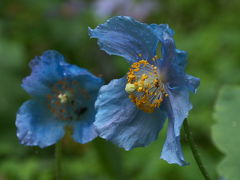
[
  {"x": 58, "y": 152},
  {"x": 194, "y": 150}
]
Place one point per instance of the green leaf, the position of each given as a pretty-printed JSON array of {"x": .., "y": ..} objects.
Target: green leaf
[{"x": 226, "y": 131}]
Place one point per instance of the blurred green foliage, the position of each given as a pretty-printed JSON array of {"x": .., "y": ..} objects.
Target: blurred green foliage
[
  {"x": 207, "y": 30},
  {"x": 227, "y": 129}
]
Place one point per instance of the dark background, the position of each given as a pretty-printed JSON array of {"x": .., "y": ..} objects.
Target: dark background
[{"x": 207, "y": 30}]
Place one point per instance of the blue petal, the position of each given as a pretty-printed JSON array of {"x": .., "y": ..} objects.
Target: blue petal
[
  {"x": 46, "y": 70},
  {"x": 119, "y": 121},
  {"x": 164, "y": 34},
  {"x": 192, "y": 83},
  {"x": 174, "y": 60},
  {"x": 51, "y": 67},
  {"x": 178, "y": 106},
  {"x": 126, "y": 37},
  {"x": 181, "y": 58},
  {"x": 170, "y": 54},
  {"x": 87, "y": 80},
  {"x": 182, "y": 80},
  {"x": 162, "y": 31},
  {"x": 84, "y": 130},
  {"x": 36, "y": 126},
  {"x": 176, "y": 78},
  {"x": 172, "y": 151}
]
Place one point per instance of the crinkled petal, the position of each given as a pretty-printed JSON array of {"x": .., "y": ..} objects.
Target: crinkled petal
[
  {"x": 46, "y": 70},
  {"x": 178, "y": 106},
  {"x": 164, "y": 33},
  {"x": 173, "y": 60},
  {"x": 86, "y": 79},
  {"x": 172, "y": 150},
  {"x": 192, "y": 83},
  {"x": 51, "y": 67},
  {"x": 178, "y": 79},
  {"x": 184, "y": 81},
  {"x": 84, "y": 130},
  {"x": 36, "y": 126},
  {"x": 126, "y": 37},
  {"x": 119, "y": 121},
  {"x": 140, "y": 131},
  {"x": 170, "y": 55},
  {"x": 181, "y": 59}
]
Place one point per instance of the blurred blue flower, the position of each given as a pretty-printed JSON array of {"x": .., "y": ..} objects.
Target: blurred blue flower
[
  {"x": 131, "y": 111},
  {"x": 63, "y": 95}
]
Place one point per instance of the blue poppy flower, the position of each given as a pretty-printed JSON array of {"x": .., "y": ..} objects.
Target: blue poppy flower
[
  {"x": 63, "y": 95},
  {"x": 131, "y": 111}
]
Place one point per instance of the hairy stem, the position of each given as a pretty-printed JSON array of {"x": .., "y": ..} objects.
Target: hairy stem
[{"x": 195, "y": 151}]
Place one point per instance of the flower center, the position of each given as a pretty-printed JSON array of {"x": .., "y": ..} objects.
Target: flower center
[
  {"x": 67, "y": 99},
  {"x": 145, "y": 87},
  {"x": 64, "y": 97}
]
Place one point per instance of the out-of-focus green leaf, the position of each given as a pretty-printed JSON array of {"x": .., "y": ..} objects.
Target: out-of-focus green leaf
[
  {"x": 226, "y": 132},
  {"x": 11, "y": 55},
  {"x": 11, "y": 62},
  {"x": 110, "y": 158},
  {"x": 23, "y": 169}
]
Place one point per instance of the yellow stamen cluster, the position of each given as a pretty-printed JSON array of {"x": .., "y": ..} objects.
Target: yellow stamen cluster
[
  {"x": 63, "y": 98},
  {"x": 144, "y": 86}
]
